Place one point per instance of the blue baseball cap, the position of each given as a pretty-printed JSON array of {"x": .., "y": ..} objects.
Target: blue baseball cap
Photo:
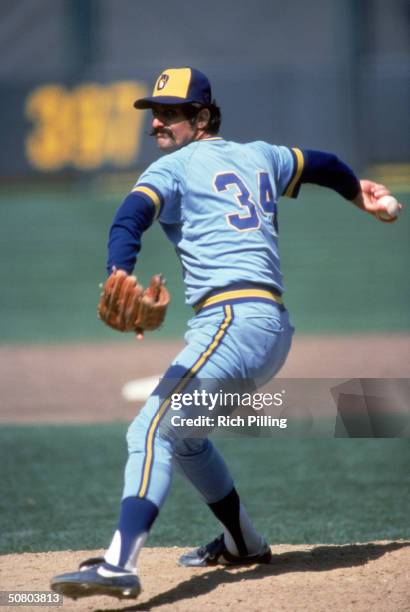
[{"x": 178, "y": 86}]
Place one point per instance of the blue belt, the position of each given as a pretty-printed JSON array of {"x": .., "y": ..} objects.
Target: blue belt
[{"x": 229, "y": 296}]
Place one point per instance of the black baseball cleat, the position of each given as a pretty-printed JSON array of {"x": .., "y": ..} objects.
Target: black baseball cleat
[
  {"x": 91, "y": 562},
  {"x": 216, "y": 553},
  {"x": 97, "y": 579}
]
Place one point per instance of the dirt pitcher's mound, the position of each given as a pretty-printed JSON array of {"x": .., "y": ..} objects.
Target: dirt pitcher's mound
[{"x": 355, "y": 577}]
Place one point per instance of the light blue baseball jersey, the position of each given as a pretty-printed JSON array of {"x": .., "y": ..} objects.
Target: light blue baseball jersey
[{"x": 218, "y": 206}]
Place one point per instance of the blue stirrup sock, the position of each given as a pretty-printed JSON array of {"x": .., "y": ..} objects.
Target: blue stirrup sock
[
  {"x": 240, "y": 535},
  {"x": 137, "y": 515}
]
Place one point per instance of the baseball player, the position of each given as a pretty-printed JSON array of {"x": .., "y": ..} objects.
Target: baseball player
[{"x": 217, "y": 203}]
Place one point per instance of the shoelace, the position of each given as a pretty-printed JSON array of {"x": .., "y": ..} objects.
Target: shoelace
[{"x": 214, "y": 548}]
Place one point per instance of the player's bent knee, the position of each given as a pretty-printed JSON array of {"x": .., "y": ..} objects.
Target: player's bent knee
[
  {"x": 136, "y": 435},
  {"x": 190, "y": 446}
]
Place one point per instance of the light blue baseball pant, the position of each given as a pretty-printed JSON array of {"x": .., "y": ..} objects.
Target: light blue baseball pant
[{"x": 238, "y": 341}]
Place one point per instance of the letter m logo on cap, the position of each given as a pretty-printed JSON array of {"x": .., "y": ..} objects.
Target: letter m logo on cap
[{"x": 162, "y": 81}]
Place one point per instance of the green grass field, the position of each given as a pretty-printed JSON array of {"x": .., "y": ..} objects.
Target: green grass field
[
  {"x": 61, "y": 485},
  {"x": 343, "y": 270}
]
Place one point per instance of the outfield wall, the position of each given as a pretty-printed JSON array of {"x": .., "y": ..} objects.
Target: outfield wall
[{"x": 328, "y": 74}]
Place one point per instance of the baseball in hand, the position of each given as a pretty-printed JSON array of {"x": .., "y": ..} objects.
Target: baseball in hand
[{"x": 391, "y": 208}]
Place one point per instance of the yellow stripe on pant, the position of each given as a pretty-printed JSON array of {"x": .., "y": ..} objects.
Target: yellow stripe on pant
[{"x": 202, "y": 359}]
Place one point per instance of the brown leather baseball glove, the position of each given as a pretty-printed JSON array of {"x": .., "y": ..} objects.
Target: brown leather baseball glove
[{"x": 125, "y": 306}]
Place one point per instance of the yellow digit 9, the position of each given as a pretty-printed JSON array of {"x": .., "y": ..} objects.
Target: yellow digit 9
[{"x": 124, "y": 130}]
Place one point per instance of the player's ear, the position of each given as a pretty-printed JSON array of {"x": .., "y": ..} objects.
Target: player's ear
[{"x": 202, "y": 118}]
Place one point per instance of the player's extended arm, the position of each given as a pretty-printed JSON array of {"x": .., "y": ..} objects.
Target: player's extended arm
[{"x": 328, "y": 170}]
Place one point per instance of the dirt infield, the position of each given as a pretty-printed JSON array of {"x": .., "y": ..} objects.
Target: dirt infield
[
  {"x": 359, "y": 577},
  {"x": 82, "y": 383},
  {"x": 74, "y": 383}
]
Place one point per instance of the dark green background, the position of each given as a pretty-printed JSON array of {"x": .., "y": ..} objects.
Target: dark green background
[
  {"x": 344, "y": 271},
  {"x": 61, "y": 487}
]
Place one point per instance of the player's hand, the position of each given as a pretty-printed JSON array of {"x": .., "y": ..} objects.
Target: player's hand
[
  {"x": 368, "y": 199},
  {"x": 126, "y": 307}
]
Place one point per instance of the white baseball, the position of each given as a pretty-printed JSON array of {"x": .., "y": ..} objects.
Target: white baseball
[{"x": 391, "y": 207}]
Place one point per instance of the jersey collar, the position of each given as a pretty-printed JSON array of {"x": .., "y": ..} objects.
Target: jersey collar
[{"x": 210, "y": 138}]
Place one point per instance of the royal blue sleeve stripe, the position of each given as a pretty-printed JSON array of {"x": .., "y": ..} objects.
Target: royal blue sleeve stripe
[
  {"x": 132, "y": 218},
  {"x": 328, "y": 170}
]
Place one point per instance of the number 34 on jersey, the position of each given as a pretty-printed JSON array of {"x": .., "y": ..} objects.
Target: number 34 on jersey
[{"x": 249, "y": 219}]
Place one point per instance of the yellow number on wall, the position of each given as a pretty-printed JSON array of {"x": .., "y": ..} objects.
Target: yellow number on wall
[
  {"x": 86, "y": 127},
  {"x": 49, "y": 146}
]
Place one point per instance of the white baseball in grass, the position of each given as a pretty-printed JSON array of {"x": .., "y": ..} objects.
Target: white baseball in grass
[{"x": 390, "y": 205}]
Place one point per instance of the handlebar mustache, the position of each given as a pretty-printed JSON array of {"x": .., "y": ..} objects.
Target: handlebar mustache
[{"x": 156, "y": 131}]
